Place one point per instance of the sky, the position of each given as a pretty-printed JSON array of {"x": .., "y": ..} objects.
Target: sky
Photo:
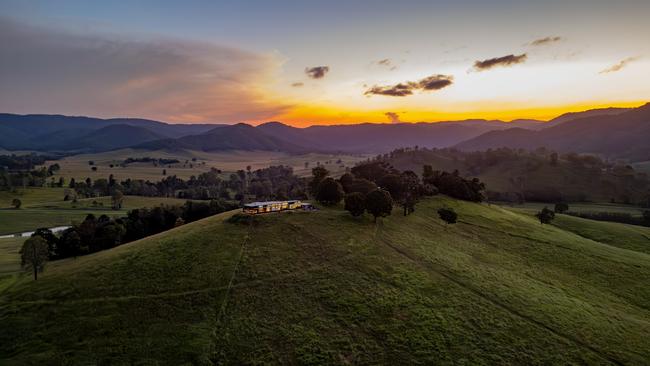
[{"x": 322, "y": 62}]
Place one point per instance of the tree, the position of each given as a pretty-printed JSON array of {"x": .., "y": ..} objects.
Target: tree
[
  {"x": 346, "y": 181},
  {"x": 70, "y": 244},
  {"x": 379, "y": 203},
  {"x": 393, "y": 184},
  {"x": 318, "y": 175},
  {"x": 329, "y": 192},
  {"x": 116, "y": 199},
  {"x": 448, "y": 215},
  {"x": 561, "y": 207},
  {"x": 355, "y": 203},
  {"x": 16, "y": 203},
  {"x": 545, "y": 216},
  {"x": 34, "y": 254},
  {"x": 94, "y": 169},
  {"x": 51, "y": 240}
]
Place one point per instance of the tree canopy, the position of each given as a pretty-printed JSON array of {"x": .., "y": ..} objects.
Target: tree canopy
[{"x": 34, "y": 255}]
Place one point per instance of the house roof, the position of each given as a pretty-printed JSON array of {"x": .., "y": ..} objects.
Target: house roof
[{"x": 266, "y": 203}]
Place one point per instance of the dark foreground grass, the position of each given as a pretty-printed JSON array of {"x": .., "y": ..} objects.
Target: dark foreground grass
[{"x": 324, "y": 288}]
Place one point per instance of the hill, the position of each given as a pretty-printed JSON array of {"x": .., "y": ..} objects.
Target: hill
[
  {"x": 236, "y": 137},
  {"x": 588, "y": 113},
  {"x": 512, "y": 175},
  {"x": 324, "y": 288},
  {"x": 44, "y": 132},
  {"x": 622, "y": 135},
  {"x": 374, "y": 137}
]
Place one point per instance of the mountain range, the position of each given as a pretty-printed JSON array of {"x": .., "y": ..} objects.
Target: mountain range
[
  {"x": 617, "y": 132},
  {"x": 623, "y": 135}
]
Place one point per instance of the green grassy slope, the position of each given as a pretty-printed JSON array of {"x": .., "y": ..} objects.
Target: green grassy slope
[
  {"x": 322, "y": 287},
  {"x": 44, "y": 207}
]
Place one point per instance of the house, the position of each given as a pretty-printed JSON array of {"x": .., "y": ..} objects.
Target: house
[{"x": 274, "y": 206}]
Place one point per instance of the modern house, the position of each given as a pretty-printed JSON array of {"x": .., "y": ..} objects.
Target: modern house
[{"x": 275, "y": 206}]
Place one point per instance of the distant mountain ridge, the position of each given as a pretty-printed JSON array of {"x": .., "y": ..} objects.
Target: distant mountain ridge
[
  {"x": 44, "y": 132},
  {"x": 619, "y": 135},
  {"x": 57, "y": 133}
]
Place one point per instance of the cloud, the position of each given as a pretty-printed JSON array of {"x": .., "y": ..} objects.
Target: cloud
[
  {"x": 499, "y": 61},
  {"x": 545, "y": 41},
  {"x": 297, "y": 85},
  {"x": 433, "y": 82},
  {"x": 387, "y": 63},
  {"x": 48, "y": 70},
  {"x": 398, "y": 90},
  {"x": 618, "y": 66},
  {"x": 393, "y": 117},
  {"x": 317, "y": 72}
]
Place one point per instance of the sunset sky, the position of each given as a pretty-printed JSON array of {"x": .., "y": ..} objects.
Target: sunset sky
[{"x": 322, "y": 62}]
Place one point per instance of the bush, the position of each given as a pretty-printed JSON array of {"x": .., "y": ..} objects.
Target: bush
[
  {"x": 545, "y": 216},
  {"x": 561, "y": 207},
  {"x": 355, "y": 203},
  {"x": 448, "y": 215}
]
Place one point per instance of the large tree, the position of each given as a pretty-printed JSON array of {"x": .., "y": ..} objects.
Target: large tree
[
  {"x": 379, "y": 203},
  {"x": 329, "y": 192},
  {"x": 34, "y": 254},
  {"x": 355, "y": 203},
  {"x": 318, "y": 175}
]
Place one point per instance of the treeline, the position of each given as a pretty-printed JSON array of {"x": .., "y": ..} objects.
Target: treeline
[
  {"x": 12, "y": 179},
  {"x": 23, "y": 162},
  {"x": 100, "y": 233},
  {"x": 542, "y": 175},
  {"x": 146, "y": 159},
  {"x": 620, "y": 217},
  {"x": 375, "y": 186},
  {"x": 275, "y": 182}
]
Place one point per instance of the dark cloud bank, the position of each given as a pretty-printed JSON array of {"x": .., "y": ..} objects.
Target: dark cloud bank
[{"x": 433, "y": 82}]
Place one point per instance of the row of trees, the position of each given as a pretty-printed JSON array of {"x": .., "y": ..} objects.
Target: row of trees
[
  {"x": 274, "y": 182},
  {"x": 94, "y": 234}
]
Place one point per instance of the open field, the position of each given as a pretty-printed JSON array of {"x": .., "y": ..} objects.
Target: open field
[
  {"x": 44, "y": 207},
  {"x": 77, "y": 166},
  {"x": 325, "y": 288},
  {"x": 581, "y": 207}
]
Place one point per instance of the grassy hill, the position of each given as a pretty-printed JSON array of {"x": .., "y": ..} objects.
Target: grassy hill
[{"x": 325, "y": 288}]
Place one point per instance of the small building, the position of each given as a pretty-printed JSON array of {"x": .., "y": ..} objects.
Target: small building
[{"x": 274, "y": 206}]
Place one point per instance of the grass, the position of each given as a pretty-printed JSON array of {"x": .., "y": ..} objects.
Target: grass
[
  {"x": 621, "y": 235},
  {"x": 44, "y": 207},
  {"x": 77, "y": 166},
  {"x": 585, "y": 207},
  {"x": 325, "y": 288}
]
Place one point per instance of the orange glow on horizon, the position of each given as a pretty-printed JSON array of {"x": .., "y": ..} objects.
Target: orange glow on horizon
[{"x": 304, "y": 116}]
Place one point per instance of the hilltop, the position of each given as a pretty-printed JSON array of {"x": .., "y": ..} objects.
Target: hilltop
[{"x": 325, "y": 288}]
